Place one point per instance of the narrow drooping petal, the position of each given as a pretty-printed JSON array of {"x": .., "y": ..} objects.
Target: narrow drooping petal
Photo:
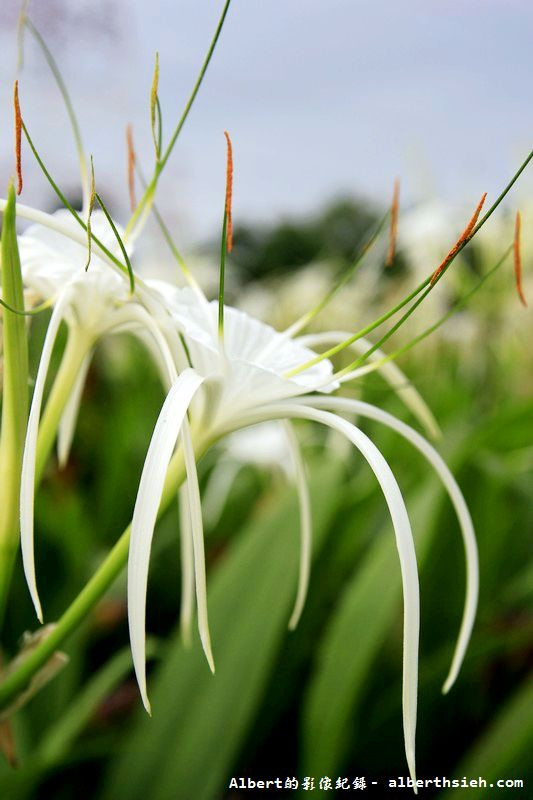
[
  {"x": 197, "y": 535},
  {"x": 404, "y": 544},
  {"x": 306, "y": 529},
  {"x": 458, "y": 502},
  {"x": 187, "y": 567},
  {"x": 191, "y": 526},
  {"x": 389, "y": 371},
  {"x": 27, "y": 481},
  {"x": 67, "y": 423},
  {"x": 151, "y": 485}
]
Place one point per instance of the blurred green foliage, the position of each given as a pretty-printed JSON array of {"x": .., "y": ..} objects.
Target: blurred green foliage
[{"x": 326, "y": 699}]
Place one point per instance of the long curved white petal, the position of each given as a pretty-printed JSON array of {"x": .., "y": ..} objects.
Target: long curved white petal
[
  {"x": 390, "y": 372},
  {"x": 458, "y": 502},
  {"x": 162, "y": 444},
  {"x": 27, "y": 480},
  {"x": 192, "y": 527},
  {"x": 193, "y": 504},
  {"x": 197, "y": 535},
  {"x": 67, "y": 423},
  {"x": 306, "y": 525},
  {"x": 404, "y": 544},
  {"x": 187, "y": 567}
]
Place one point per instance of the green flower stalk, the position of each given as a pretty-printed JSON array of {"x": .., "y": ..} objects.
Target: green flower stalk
[{"x": 14, "y": 397}]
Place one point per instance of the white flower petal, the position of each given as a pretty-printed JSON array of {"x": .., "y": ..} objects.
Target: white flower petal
[
  {"x": 187, "y": 566},
  {"x": 306, "y": 524},
  {"x": 197, "y": 534},
  {"x": 67, "y": 423},
  {"x": 458, "y": 502},
  {"x": 256, "y": 357},
  {"x": 404, "y": 544},
  {"x": 151, "y": 485},
  {"x": 390, "y": 372},
  {"x": 27, "y": 481}
]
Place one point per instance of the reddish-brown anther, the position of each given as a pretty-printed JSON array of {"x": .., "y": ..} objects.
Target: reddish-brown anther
[
  {"x": 461, "y": 241},
  {"x": 518, "y": 259},
  {"x": 393, "y": 223},
  {"x": 131, "y": 166},
  {"x": 229, "y": 193},
  {"x": 18, "y": 136}
]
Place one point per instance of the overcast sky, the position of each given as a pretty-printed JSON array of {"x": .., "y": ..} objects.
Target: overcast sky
[{"x": 321, "y": 97}]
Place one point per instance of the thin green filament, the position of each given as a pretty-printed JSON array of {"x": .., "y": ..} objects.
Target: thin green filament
[
  {"x": 169, "y": 238},
  {"x": 223, "y": 251},
  {"x": 160, "y": 164},
  {"x": 92, "y": 197},
  {"x": 119, "y": 240},
  {"x": 362, "y": 332},
  {"x": 66, "y": 99},
  {"x": 461, "y": 303},
  {"x": 427, "y": 284},
  {"x": 68, "y": 205},
  {"x": 31, "y": 312}
]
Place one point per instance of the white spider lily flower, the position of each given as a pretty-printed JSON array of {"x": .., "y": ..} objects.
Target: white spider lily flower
[
  {"x": 250, "y": 367},
  {"x": 92, "y": 302},
  {"x": 242, "y": 381}
]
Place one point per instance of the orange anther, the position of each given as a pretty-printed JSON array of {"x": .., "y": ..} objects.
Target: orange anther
[
  {"x": 229, "y": 193},
  {"x": 461, "y": 241},
  {"x": 518, "y": 259},
  {"x": 18, "y": 136}
]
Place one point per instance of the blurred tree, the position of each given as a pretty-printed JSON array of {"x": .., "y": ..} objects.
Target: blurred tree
[{"x": 333, "y": 234}]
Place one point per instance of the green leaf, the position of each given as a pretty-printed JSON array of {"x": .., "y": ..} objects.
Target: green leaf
[
  {"x": 14, "y": 398},
  {"x": 504, "y": 749},
  {"x": 60, "y": 736},
  {"x": 56, "y": 743},
  {"x": 200, "y": 721}
]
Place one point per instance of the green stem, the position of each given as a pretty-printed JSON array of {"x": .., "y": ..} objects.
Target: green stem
[
  {"x": 18, "y": 680},
  {"x": 100, "y": 582}
]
